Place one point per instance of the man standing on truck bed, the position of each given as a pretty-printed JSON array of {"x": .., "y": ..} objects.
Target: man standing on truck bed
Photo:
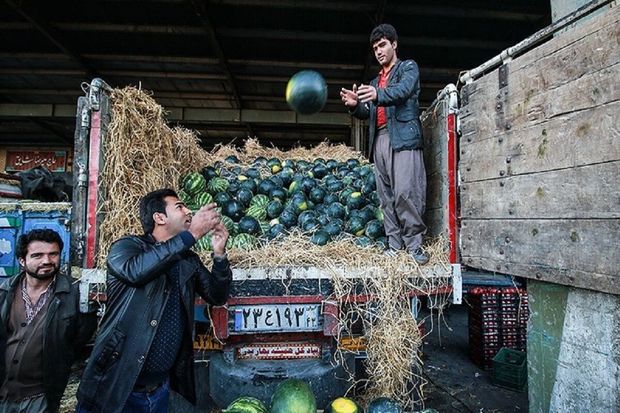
[
  {"x": 390, "y": 103},
  {"x": 41, "y": 328},
  {"x": 144, "y": 347}
]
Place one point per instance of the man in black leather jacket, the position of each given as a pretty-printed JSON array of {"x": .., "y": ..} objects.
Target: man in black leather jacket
[
  {"x": 144, "y": 346},
  {"x": 42, "y": 330},
  {"x": 390, "y": 103}
]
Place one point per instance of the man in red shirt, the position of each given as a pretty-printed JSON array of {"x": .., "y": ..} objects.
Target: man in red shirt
[{"x": 390, "y": 103}]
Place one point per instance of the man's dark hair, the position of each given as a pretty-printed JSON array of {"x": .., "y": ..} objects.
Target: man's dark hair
[
  {"x": 151, "y": 203},
  {"x": 44, "y": 235},
  {"x": 383, "y": 30}
]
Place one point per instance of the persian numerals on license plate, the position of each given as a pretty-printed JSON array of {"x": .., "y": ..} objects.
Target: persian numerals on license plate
[{"x": 277, "y": 318}]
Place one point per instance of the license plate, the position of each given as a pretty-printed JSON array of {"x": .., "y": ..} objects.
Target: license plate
[
  {"x": 277, "y": 318},
  {"x": 279, "y": 351}
]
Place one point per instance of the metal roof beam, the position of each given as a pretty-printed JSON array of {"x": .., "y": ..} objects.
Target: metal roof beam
[
  {"x": 278, "y": 34},
  {"x": 202, "y": 61},
  {"x": 358, "y": 38},
  {"x": 163, "y": 96},
  {"x": 431, "y": 71},
  {"x": 53, "y": 37},
  {"x": 357, "y": 7},
  {"x": 36, "y": 110},
  {"x": 370, "y": 56},
  {"x": 207, "y": 26},
  {"x": 369, "y": 7},
  {"x": 11, "y": 110},
  {"x": 201, "y": 12}
]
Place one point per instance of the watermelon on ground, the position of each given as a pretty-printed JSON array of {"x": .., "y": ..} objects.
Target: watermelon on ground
[
  {"x": 384, "y": 405},
  {"x": 343, "y": 405},
  {"x": 293, "y": 396},
  {"x": 246, "y": 404}
]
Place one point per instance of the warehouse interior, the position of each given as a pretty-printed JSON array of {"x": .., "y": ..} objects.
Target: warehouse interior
[{"x": 220, "y": 67}]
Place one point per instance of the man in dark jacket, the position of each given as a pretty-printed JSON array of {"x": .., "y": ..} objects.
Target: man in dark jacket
[
  {"x": 144, "y": 346},
  {"x": 41, "y": 327},
  {"x": 390, "y": 103}
]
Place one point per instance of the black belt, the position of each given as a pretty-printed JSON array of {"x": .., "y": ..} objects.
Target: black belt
[
  {"x": 148, "y": 388},
  {"x": 382, "y": 127}
]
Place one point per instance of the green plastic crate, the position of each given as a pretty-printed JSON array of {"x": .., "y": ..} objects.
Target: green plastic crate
[{"x": 510, "y": 369}]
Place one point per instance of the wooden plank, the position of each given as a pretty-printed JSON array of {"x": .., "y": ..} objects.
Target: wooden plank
[
  {"x": 512, "y": 109},
  {"x": 586, "y": 192},
  {"x": 605, "y": 21},
  {"x": 435, "y": 135},
  {"x": 576, "y": 139},
  {"x": 558, "y": 77},
  {"x": 435, "y": 219},
  {"x": 581, "y": 253},
  {"x": 436, "y": 191}
]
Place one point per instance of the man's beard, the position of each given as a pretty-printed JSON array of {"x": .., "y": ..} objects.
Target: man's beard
[{"x": 43, "y": 277}]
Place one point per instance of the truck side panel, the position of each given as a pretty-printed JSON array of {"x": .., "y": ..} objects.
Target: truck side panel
[{"x": 540, "y": 157}]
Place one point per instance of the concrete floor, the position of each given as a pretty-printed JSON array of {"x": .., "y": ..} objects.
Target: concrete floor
[{"x": 456, "y": 384}]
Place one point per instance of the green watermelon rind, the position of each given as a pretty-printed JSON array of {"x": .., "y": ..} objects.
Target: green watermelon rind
[
  {"x": 246, "y": 404},
  {"x": 243, "y": 241},
  {"x": 259, "y": 200},
  {"x": 229, "y": 224},
  {"x": 203, "y": 198},
  {"x": 194, "y": 183},
  {"x": 293, "y": 395},
  {"x": 216, "y": 185},
  {"x": 257, "y": 212}
]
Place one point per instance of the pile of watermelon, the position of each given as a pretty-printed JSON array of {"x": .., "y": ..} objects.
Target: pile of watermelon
[
  {"x": 325, "y": 199},
  {"x": 296, "y": 396}
]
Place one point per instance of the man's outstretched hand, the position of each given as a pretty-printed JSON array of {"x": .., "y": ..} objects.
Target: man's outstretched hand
[
  {"x": 367, "y": 93},
  {"x": 349, "y": 96},
  {"x": 204, "y": 220},
  {"x": 218, "y": 241}
]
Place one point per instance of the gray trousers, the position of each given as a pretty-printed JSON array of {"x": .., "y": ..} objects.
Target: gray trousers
[
  {"x": 33, "y": 405},
  {"x": 401, "y": 186}
]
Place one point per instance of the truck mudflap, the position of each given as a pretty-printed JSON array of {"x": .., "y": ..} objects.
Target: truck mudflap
[{"x": 259, "y": 378}]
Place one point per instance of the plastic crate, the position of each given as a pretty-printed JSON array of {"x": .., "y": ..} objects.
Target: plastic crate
[{"x": 510, "y": 369}]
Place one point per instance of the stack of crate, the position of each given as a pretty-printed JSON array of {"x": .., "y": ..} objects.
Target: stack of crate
[
  {"x": 514, "y": 312},
  {"x": 497, "y": 318}
]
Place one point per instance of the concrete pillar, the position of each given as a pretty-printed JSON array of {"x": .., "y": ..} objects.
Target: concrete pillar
[{"x": 573, "y": 350}]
